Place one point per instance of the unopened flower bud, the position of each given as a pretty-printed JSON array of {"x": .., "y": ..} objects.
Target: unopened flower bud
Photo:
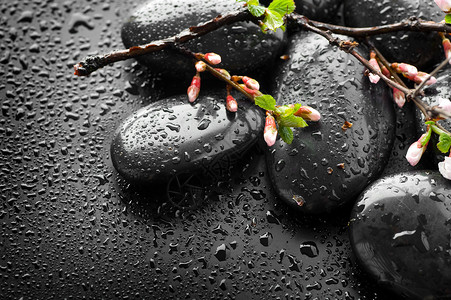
[
  {"x": 416, "y": 150},
  {"x": 213, "y": 58},
  {"x": 444, "y": 167},
  {"x": 374, "y": 78},
  {"x": 444, "y": 104},
  {"x": 447, "y": 47},
  {"x": 231, "y": 104},
  {"x": 252, "y": 92},
  {"x": 422, "y": 76},
  {"x": 201, "y": 66},
  {"x": 445, "y": 5},
  {"x": 399, "y": 97},
  {"x": 194, "y": 88},
  {"x": 308, "y": 113},
  {"x": 406, "y": 69},
  {"x": 270, "y": 131},
  {"x": 251, "y": 83},
  {"x": 224, "y": 72}
]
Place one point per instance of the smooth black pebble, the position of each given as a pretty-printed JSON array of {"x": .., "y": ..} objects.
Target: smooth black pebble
[
  {"x": 417, "y": 48},
  {"x": 243, "y": 46},
  {"x": 327, "y": 166},
  {"x": 401, "y": 234},
  {"x": 172, "y": 137}
]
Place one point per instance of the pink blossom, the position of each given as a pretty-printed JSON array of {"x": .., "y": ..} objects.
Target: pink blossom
[
  {"x": 422, "y": 76},
  {"x": 270, "y": 131},
  {"x": 308, "y": 113},
  {"x": 251, "y": 83},
  {"x": 194, "y": 88},
  {"x": 445, "y": 5},
  {"x": 444, "y": 167},
  {"x": 406, "y": 69},
  {"x": 231, "y": 104},
  {"x": 444, "y": 104},
  {"x": 201, "y": 66},
  {"x": 399, "y": 97},
  {"x": 415, "y": 151},
  {"x": 373, "y": 77},
  {"x": 213, "y": 58}
]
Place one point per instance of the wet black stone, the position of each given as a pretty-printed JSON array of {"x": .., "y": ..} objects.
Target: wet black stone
[
  {"x": 441, "y": 89},
  {"x": 170, "y": 137},
  {"x": 401, "y": 234},
  {"x": 242, "y": 46},
  {"x": 417, "y": 48},
  {"x": 309, "y": 173}
]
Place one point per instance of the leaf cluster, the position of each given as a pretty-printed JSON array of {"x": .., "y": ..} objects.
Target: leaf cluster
[
  {"x": 284, "y": 116},
  {"x": 273, "y": 15}
]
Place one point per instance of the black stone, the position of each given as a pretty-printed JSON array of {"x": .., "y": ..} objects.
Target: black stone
[
  {"x": 308, "y": 174},
  {"x": 242, "y": 46},
  {"x": 401, "y": 234},
  {"x": 417, "y": 48},
  {"x": 441, "y": 89},
  {"x": 172, "y": 136}
]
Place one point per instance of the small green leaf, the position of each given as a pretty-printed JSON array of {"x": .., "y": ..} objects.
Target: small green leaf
[
  {"x": 273, "y": 20},
  {"x": 255, "y": 8},
  {"x": 282, "y": 7},
  {"x": 284, "y": 111},
  {"x": 297, "y": 106},
  {"x": 445, "y": 143},
  {"x": 286, "y": 134},
  {"x": 292, "y": 121},
  {"x": 448, "y": 19},
  {"x": 266, "y": 102}
]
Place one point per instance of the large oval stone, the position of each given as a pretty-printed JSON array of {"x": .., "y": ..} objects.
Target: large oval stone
[
  {"x": 243, "y": 46},
  {"x": 401, "y": 234},
  {"x": 327, "y": 166},
  {"x": 417, "y": 48},
  {"x": 441, "y": 89},
  {"x": 172, "y": 137}
]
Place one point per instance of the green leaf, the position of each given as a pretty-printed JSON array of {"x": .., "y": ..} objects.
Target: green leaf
[
  {"x": 255, "y": 8},
  {"x": 266, "y": 102},
  {"x": 448, "y": 19},
  {"x": 284, "y": 111},
  {"x": 273, "y": 20},
  {"x": 297, "y": 106},
  {"x": 282, "y": 7},
  {"x": 445, "y": 143},
  {"x": 292, "y": 121},
  {"x": 286, "y": 134}
]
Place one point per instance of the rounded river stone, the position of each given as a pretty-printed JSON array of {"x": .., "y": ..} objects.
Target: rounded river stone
[
  {"x": 401, "y": 234},
  {"x": 243, "y": 46},
  {"x": 327, "y": 166},
  {"x": 417, "y": 48},
  {"x": 172, "y": 136}
]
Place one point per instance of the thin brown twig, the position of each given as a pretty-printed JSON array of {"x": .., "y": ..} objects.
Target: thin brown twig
[{"x": 433, "y": 73}]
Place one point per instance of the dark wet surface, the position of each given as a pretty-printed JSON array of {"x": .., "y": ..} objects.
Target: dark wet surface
[{"x": 72, "y": 228}]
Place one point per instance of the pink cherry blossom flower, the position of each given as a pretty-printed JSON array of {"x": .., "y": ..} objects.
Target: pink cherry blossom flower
[
  {"x": 251, "y": 83},
  {"x": 374, "y": 78},
  {"x": 231, "y": 104},
  {"x": 444, "y": 167},
  {"x": 445, "y": 5},
  {"x": 201, "y": 66},
  {"x": 415, "y": 151},
  {"x": 194, "y": 88},
  {"x": 213, "y": 58},
  {"x": 308, "y": 113},
  {"x": 399, "y": 97},
  {"x": 270, "y": 131},
  {"x": 445, "y": 104},
  {"x": 406, "y": 69}
]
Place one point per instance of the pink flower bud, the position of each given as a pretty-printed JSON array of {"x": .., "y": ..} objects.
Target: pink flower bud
[
  {"x": 445, "y": 5},
  {"x": 252, "y": 92},
  {"x": 308, "y": 113},
  {"x": 270, "y": 131},
  {"x": 251, "y": 83},
  {"x": 444, "y": 104},
  {"x": 415, "y": 151},
  {"x": 224, "y": 72},
  {"x": 213, "y": 58},
  {"x": 422, "y": 76},
  {"x": 201, "y": 66},
  {"x": 406, "y": 69},
  {"x": 194, "y": 88},
  {"x": 444, "y": 167},
  {"x": 373, "y": 77},
  {"x": 399, "y": 97},
  {"x": 447, "y": 47},
  {"x": 231, "y": 104}
]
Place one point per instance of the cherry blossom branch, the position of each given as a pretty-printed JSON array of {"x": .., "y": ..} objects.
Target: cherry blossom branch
[{"x": 409, "y": 24}]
